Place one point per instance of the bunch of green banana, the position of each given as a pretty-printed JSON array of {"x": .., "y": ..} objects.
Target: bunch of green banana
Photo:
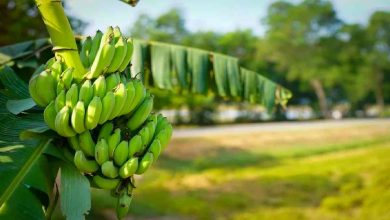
[{"x": 106, "y": 117}]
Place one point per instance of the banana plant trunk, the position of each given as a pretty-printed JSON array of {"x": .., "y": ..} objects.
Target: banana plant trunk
[{"x": 61, "y": 35}]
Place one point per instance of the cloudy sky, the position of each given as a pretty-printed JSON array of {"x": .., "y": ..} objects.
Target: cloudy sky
[{"x": 216, "y": 15}]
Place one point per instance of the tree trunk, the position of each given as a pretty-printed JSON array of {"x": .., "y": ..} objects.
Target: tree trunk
[
  {"x": 378, "y": 90},
  {"x": 320, "y": 93}
]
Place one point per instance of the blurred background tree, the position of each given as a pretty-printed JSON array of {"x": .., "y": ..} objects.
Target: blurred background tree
[
  {"x": 302, "y": 40},
  {"x": 26, "y": 23},
  {"x": 306, "y": 47}
]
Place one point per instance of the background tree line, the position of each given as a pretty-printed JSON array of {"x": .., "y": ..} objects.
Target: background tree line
[{"x": 306, "y": 47}]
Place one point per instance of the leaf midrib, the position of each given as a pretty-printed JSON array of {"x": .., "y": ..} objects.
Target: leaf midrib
[{"x": 23, "y": 171}]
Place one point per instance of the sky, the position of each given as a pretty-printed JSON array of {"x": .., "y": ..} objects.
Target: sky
[{"x": 205, "y": 15}]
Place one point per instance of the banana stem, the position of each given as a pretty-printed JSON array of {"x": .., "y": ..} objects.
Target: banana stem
[{"x": 61, "y": 34}]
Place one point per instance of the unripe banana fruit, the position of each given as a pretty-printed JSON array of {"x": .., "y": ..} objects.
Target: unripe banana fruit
[
  {"x": 49, "y": 115},
  {"x": 105, "y": 183},
  {"x": 83, "y": 164},
  {"x": 129, "y": 168},
  {"x": 121, "y": 152},
  {"x": 101, "y": 151},
  {"x": 93, "y": 113},
  {"x": 106, "y": 130},
  {"x": 105, "y": 116},
  {"x": 109, "y": 169},
  {"x": 141, "y": 114},
  {"x": 145, "y": 163}
]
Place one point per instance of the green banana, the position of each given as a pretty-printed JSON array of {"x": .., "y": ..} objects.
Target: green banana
[
  {"x": 49, "y": 115},
  {"x": 105, "y": 183},
  {"x": 86, "y": 92},
  {"x": 103, "y": 58},
  {"x": 95, "y": 46},
  {"x": 109, "y": 169},
  {"x": 129, "y": 53},
  {"x": 60, "y": 87},
  {"x": 112, "y": 81},
  {"x": 101, "y": 151},
  {"x": 113, "y": 141},
  {"x": 155, "y": 148},
  {"x": 59, "y": 102},
  {"x": 77, "y": 118},
  {"x": 130, "y": 90},
  {"x": 151, "y": 126},
  {"x": 145, "y": 163},
  {"x": 144, "y": 133},
  {"x": 120, "y": 99},
  {"x": 50, "y": 62},
  {"x": 34, "y": 92},
  {"x": 117, "y": 33},
  {"x": 46, "y": 86},
  {"x": 108, "y": 105},
  {"x": 74, "y": 143},
  {"x": 141, "y": 113},
  {"x": 83, "y": 164},
  {"x": 85, "y": 50},
  {"x": 123, "y": 205},
  {"x": 56, "y": 68},
  {"x": 119, "y": 55},
  {"x": 162, "y": 122},
  {"x": 140, "y": 94},
  {"x": 87, "y": 145},
  {"x": 164, "y": 136},
  {"x": 135, "y": 145},
  {"x": 99, "y": 87},
  {"x": 121, "y": 152},
  {"x": 72, "y": 96},
  {"x": 93, "y": 113},
  {"x": 62, "y": 124},
  {"x": 128, "y": 168},
  {"x": 67, "y": 77},
  {"x": 109, "y": 34},
  {"x": 106, "y": 130}
]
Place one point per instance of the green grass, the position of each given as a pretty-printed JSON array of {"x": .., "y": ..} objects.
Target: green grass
[{"x": 350, "y": 180}]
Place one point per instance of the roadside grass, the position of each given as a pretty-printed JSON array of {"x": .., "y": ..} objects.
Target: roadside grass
[{"x": 332, "y": 178}]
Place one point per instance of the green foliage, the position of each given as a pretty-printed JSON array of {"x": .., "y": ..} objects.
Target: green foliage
[
  {"x": 26, "y": 144},
  {"x": 26, "y": 25}
]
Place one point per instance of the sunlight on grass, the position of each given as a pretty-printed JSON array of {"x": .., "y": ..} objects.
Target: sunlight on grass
[{"x": 348, "y": 180}]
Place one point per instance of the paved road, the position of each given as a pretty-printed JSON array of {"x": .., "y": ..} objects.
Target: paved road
[{"x": 275, "y": 127}]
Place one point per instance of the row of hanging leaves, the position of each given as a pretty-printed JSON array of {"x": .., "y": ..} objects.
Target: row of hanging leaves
[{"x": 185, "y": 69}]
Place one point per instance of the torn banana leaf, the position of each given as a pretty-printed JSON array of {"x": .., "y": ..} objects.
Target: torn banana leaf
[
  {"x": 179, "y": 66},
  {"x": 161, "y": 66},
  {"x": 220, "y": 73},
  {"x": 198, "y": 66},
  {"x": 233, "y": 74},
  {"x": 139, "y": 58}
]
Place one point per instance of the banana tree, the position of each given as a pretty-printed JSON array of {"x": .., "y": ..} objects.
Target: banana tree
[{"x": 42, "y": 164}]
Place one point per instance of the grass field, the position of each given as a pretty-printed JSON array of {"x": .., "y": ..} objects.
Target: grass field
[{"x": 327, "y": 173}]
